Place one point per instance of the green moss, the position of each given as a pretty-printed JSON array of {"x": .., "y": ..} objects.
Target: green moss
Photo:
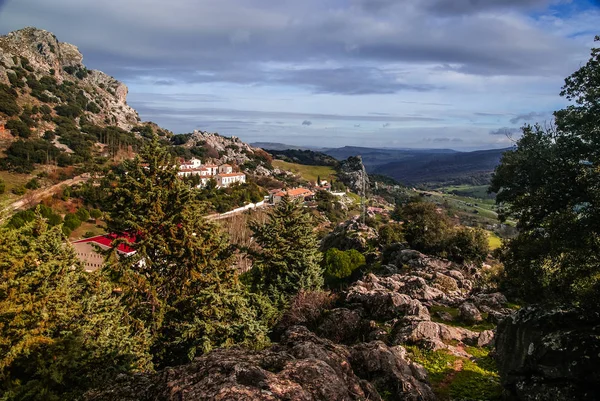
[
  {"x": 455, "y": 378},
  {"x": 475, "y": 383}
]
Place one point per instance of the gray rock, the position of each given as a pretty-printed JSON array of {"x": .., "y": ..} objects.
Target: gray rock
[
  {"x": 302, "y": 367},
  {"x": 550, "y": 354},
  {"x": 469, "y": 313}
]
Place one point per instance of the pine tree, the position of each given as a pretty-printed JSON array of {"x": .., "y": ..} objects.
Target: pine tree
[
  {"x": 181, "y": 282},
  {"x": 62, "y": 330},
  {"x": 289, "y": 258}
]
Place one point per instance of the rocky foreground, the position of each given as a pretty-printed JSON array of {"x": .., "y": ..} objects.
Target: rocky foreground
[{"x": 364, "y": 348}]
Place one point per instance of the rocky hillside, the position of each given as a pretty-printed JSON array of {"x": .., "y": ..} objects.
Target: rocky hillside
[
  {"x": 46, "y": 71},
  {"x": 419, "y": 329},
  {"x": 222, "y": 149}
]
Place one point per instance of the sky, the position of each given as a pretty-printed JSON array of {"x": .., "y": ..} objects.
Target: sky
[{"x": 454, "y": 74}]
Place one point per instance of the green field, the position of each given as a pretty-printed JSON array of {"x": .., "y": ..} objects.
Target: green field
[
  {"x": 479, "y": 191},
  {"x": 11, "y": 180},
  {"x": 308, "y": 173}
]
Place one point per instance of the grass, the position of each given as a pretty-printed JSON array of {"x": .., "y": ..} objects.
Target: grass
[
  {"x": 12, "y": 180},
  {"x": 494, "y": 241},
  {"x": 472, "y": 191},
  {"x": 308, "y": 173},
  {"x": 457, "y": 378},
  {"x": 85, "y": 227}
]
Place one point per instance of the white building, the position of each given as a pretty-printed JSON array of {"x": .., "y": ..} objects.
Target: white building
[
  {"x": 227, "y": 179},
  {"x": 225, "y": 169},
  {"x": 87, "y": 250}
]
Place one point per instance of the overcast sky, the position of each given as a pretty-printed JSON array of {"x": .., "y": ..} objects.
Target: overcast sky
[{"x": 394, "y": 73}]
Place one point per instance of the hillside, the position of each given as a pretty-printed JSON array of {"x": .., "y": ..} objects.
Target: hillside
[
  {"x": 373, "y": 157},
  {"x": 472, "y": 168},
  {"x": 307, "y": 157}
]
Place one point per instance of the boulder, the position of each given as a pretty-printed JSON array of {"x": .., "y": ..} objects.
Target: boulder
[
  {"x": 469, "y": 313},
  {"x": 301, "y": 367},
  {"x": 550, "y": 354},
  {"x": 343, "y": 326},
  {"x": 389, "y": 370}
]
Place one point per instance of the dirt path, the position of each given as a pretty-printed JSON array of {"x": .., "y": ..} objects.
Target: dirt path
[
  {"x": 34, "y": 197},
  {"x": 456, "y": 368}
]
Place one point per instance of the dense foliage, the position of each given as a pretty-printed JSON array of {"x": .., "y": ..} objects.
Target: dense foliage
[
  {"x": 289, "y": 258},
  {"x": 339, "y": 265},
  {"x": 180, "y": 284},
  {"x": 62, "y": 330},
  {"x": 427, "y": 229},
  {"x": 551, "y": 185}
]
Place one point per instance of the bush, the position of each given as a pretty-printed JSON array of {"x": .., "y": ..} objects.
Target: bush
[
  {"x": 18, "y": 128},
  {"x": 19, "y": 190},
  {"x": 72, "y": 222},
  {"x": 96, "y": 213},
  {"x": 468, "y": 244},
  {"x": 306, "y": 308},
  {"x": 340, "y": 265},
  {"x": 390, "y": 234},
  {"x": 83, "y": 214},
  {"x": 8, "y": 96},
  {"x": 33, "y": 184}
]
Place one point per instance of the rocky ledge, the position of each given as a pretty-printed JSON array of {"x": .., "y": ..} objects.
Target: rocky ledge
[
  {"x": 550, "y": 354},
  {"x": 357, "y": 350},
  {"x": 301, "y": 367}
]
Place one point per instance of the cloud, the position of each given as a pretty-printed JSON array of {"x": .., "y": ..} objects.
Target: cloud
[
  {"x": 425, "y": 63},
  {"x": 505, "y": 131},
  {"x": 307, "y": 123},
  {"x": 533, "y": 116},
  {"x": 443, "y": 140}
]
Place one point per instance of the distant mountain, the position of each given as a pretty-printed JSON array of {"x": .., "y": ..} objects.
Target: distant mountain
[
  {"x": 473, "y": 168},
  {"x": 373, "y": 157},
  {"x": 307, "y": 157},
  {"x": 280, "y": 146}
]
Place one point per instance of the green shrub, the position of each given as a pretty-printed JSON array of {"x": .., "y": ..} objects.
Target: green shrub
[
  {"x": 72, "y": 221},
  {"x": 340, "y": 265},
  {"x": 33, "y": 184},
  {"x": 19, "y": 190},
  {"x": 8, "y": 102},
  {"x": 18, "y": 128}
]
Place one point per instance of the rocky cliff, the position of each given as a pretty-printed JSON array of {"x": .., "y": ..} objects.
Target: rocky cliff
[
  {"x": 45, "y": 71},
  {"x": 353, "y": 174},
  {"x": 550, "y": 355}
]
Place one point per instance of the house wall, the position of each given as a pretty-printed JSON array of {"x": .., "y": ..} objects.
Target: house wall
[{"x": 87, "y": 254}]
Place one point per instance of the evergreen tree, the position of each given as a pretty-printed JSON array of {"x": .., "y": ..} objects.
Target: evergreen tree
[
  {"x": 180, "y": 282},
  {"x": 62, "y": 330},
  {"x": 289, "y": 258}
]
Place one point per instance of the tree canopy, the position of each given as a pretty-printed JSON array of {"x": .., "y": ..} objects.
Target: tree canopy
[
  {"x": 550, "y": 183},
  {"x": 289, "y": 258},
  {"x": 181, "y": 283}
]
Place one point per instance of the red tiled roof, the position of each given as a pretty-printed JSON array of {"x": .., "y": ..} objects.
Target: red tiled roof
[
  {"x": 298, "y": 192},
  {"x": 107, "y": 240}
]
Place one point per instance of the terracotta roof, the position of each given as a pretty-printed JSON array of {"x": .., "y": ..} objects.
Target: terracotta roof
[
  {"x": 226, "y": 165},
  {"x": 210, "y": 165},
  {"x": 107, "y": 240},
  {"x": 299, "y": 192}
]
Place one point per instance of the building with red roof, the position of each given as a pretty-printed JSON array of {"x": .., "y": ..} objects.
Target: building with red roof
[
  {"x": 88, "y": 253},
  {"x": 296, "y": 193}
]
